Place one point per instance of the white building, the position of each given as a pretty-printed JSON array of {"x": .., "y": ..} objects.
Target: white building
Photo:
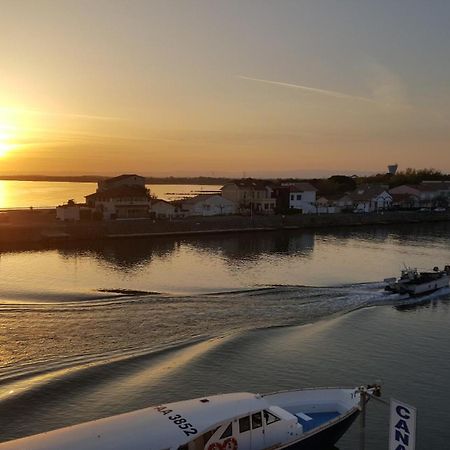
[
  {"x": 208, "y": 205},
  {"x": 71, "y": 211},
  {"x": 326, "y": 206},
  {"x": 367, "y": 198},
  {"x": 163, "y": 209},
  {"x": 302, "y": 197}
]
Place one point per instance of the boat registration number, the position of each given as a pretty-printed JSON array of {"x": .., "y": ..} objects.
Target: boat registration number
[{"x": 177, "y": 419}]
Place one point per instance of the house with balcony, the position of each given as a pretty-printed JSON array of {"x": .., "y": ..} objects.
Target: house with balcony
[
  {"x": 122, "y": 197},
  {"x": 251, "y": 196}
]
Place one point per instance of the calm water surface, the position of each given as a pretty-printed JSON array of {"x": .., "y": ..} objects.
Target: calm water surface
[
  {"x": 38, "y": 194},
  {"x": 89, "y": 332}
]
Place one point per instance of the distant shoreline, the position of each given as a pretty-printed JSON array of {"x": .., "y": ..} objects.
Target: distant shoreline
[{"x": 97, "y": 178}]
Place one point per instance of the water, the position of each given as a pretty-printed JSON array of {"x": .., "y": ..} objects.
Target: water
[
  {"x": 89, "y": 332},
  {"x": 39, "y": 194}
]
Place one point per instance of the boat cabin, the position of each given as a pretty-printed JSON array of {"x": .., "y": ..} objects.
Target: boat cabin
[{"x": 256, "y": 430}]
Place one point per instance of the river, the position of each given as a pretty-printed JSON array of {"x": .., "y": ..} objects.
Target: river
[{"x": 91, "y": 331}]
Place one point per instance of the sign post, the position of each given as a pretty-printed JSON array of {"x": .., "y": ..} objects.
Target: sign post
[{"x": 402, "y": 426}]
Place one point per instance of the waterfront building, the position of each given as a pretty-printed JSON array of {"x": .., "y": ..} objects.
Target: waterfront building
[
  {"x": 302, "y": 197},
  {"x": 429, "y": 193},
  {"x": 123, "y": 202},
  {"x": 72, "y": 212},
  {"x": 208, "y": 205},
  {"x": 121, "y": 197},
  {"x": 251, "y": 196},
  {"x": 162, "y": 209},
  {"x": 405, "y": 201},
  {"x": 299, "y": 197},
  {"x": 366, "y": 198},
  {"x": 440, "y": 189},
  {"x": 326, "y": 205}
]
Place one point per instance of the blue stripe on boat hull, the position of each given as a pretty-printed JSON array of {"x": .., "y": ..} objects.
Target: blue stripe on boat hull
[
  {"x": 326, "y": 438},
  {"x": 314, "y": 420}
]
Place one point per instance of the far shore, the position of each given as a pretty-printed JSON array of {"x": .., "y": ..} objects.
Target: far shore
[{"x": 97, "y": 178}]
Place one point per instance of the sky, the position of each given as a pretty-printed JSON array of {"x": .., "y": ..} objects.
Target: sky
[{"x": 223, "y": 87}]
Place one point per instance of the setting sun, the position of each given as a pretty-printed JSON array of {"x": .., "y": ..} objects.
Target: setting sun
[{"x": 5, "y": 144}]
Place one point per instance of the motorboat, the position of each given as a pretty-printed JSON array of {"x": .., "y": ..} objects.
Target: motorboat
[
  {"x": 413, "y": 282},
  {"x": 303, "y": 419}
]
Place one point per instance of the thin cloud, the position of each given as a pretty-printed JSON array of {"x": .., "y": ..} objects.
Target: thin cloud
[
  {"x": 55, "y": 114},
  {"x": 313, "y": 90}
]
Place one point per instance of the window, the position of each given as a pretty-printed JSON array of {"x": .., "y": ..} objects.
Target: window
[
  {"x": 292, "y": 196},
  {"x": 256, "y": 420},
  {"x": 266, "y": 206},
  {"x": 244, "y": 424},
  {"x": 228, "y": 431},
  {"x": 299, "y": 196},
  {"x": 270, "y": 418}
]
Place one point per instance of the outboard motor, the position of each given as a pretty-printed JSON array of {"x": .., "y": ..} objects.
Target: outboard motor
[{"x": 447, "y": 270}]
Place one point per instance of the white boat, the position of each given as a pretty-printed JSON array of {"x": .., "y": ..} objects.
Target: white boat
[
  {"x": 413, "y": 282},
  {"x": 299, "y": 419}
]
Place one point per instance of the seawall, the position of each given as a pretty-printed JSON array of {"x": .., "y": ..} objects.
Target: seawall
[{"x": 42, "y": 227}]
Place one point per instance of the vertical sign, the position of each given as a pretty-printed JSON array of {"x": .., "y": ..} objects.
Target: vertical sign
[{"x": 402, "y": 426}]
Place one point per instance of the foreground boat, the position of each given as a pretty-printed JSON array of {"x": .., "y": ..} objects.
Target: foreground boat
[
  {"x": 414, "y": 283},
  {"x": 302, "y": 419}
]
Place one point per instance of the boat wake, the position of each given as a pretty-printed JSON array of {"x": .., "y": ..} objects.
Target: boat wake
[{"x": 52, "y": 340}]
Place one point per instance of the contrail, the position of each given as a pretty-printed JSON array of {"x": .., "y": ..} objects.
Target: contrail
[{"x": 310, "y": 89}]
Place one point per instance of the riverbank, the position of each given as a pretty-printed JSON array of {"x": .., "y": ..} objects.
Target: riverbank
[{"x": 41, "y": 226}]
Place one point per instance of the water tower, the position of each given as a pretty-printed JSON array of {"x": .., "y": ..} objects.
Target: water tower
[{"x": 392, "y": 169}]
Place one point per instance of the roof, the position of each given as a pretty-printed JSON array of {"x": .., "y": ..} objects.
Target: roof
[
  {"x": 149, "y": 428},
  {"x": 429, "y": 186},
  {"x": 366, "y": 192},
  {"x": 302, "y": 187},
  {"x": 119, "y": 192},
  {"x": 403, "y": 197},
  {"x": 160, "y": 200},
  {"x": 121, "y": 177},
  {"x": 250, "y": 183},
  {"x": 404, "y": 187}
]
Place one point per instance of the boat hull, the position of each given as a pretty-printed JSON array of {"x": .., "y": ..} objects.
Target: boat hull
[
  {"x": 425, "y": 288},
  {"x": 324, "y": 439}
]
